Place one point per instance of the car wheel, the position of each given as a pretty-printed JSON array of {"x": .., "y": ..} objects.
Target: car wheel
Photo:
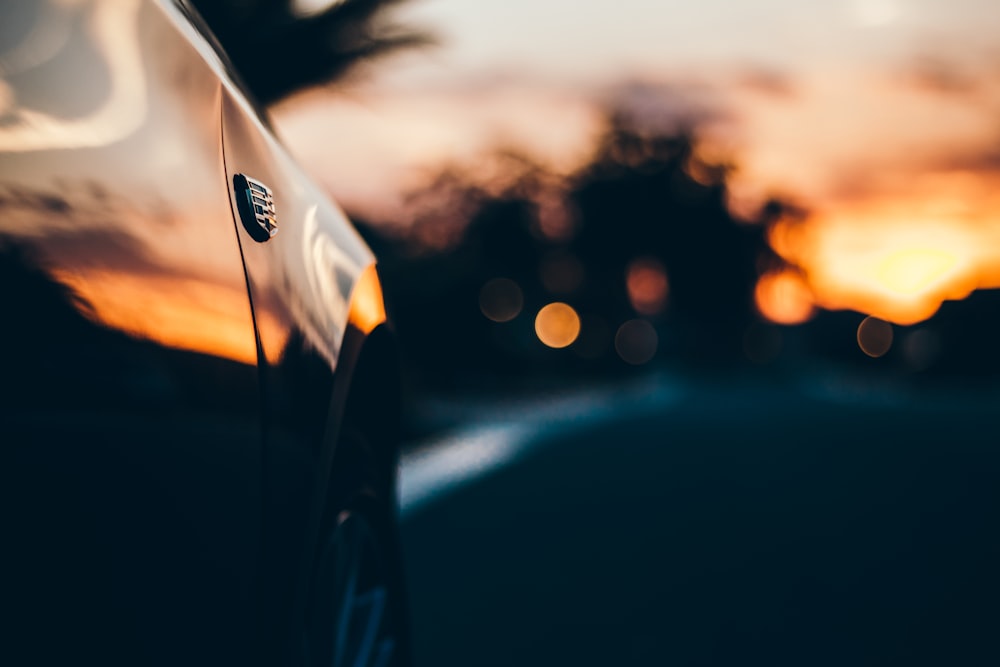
[{"x": 357, "y": 615}]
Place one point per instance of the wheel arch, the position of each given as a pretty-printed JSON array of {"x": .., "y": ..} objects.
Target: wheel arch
[{"x": 373, "y": 404}]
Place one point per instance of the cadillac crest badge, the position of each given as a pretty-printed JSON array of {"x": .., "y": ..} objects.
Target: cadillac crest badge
[{"x": 255, "y": 203}]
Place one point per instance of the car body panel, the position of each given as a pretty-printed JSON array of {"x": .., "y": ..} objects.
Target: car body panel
[
  {"x": 302, "y": 283},
  {"x": 132, "y": 455},
  {"x": 165, "y": 408}
]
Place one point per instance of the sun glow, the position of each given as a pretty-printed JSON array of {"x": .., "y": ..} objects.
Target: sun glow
[
  {"x": 896, "y": 260},
  {"x": 879, "y": 116},
  {"x": 912, "y": 272}
]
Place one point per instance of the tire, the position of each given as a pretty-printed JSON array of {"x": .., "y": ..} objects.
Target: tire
[{"x": 357, "y": 615}]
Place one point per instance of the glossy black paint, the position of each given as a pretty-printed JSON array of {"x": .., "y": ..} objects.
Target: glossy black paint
[{"x": 161, "y": 486}]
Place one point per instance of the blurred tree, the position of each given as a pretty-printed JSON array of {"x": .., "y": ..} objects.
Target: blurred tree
[
  {"x": 278, "y": 49},
  {"x": 645, "y": 199},
  {"x": 649, "y": 196}
]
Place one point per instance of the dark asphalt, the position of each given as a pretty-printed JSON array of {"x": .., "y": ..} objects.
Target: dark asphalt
[{"x": 722, "y": 524}]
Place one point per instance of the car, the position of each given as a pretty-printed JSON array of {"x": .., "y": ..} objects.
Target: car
[{"x": 199, "y": 398}]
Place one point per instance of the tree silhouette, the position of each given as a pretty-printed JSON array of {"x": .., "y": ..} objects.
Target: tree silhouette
[
  {"x": 644, "y": 198},
  {"x": 637, "y": 199},
  {"x": 277, "y": 50}
]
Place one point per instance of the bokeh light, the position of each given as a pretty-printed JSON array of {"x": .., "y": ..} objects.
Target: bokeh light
[
  {"x": 874, "y": 336},
  {"x": 784, "y": 298},
  {"x": 636, "y": 342},
  {"x": 501, "y": 300},
  {"x": 557, "y": 325},
  {"x": 646, "y": 281},
  {"x": 556, "y": 221}
]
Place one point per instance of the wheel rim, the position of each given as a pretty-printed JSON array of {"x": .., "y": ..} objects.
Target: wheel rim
[{"x": 350, "y": 621}]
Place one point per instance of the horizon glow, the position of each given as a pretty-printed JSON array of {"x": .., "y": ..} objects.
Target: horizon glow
[{"x": 877, "y": 116}]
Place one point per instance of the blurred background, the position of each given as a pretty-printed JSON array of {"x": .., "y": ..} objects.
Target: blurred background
[
  {"x": 581, "y": 191},
  {"x": 699, "y": 309}
]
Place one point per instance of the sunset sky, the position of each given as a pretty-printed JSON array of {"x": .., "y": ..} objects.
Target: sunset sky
[{"x": 880, "y": 117}]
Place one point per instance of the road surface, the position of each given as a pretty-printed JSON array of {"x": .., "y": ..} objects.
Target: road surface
[{"x": 671, "y": 523}]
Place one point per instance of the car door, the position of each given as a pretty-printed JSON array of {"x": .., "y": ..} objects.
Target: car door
[
  {"x": 304, "y": 264},
  {"x": 130, "y": 428}
]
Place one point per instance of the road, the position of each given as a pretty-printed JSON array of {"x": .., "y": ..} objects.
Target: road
[{"x": 671, "y": 523}]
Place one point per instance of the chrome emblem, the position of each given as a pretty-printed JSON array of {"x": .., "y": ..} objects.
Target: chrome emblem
[{"x": 256, "y": 207}]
